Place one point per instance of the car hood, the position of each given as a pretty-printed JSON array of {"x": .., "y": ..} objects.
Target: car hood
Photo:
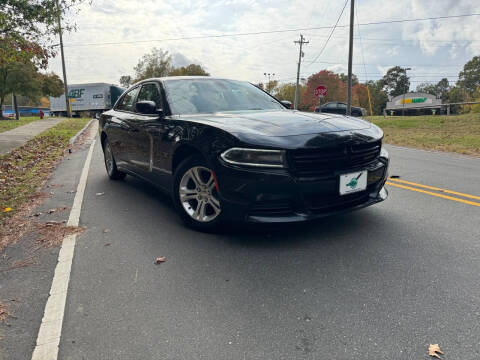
[{"x": 278, "y": 123}]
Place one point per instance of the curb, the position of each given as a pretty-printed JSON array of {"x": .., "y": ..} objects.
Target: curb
[{"x": 75, "y": 137}]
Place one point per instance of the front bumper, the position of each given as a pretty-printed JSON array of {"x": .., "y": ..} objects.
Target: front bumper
[{"x": 274, "y": 196}]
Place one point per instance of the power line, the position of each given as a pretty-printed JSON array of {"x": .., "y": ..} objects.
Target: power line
[
  {"x": 274, "y": 31},
  {"x": 375, "y": 64},
  {"x": 330, "y": 35}
]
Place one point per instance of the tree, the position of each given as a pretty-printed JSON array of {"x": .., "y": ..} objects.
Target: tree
[
  {"x": 360, "y": 96},
  {"x": 337, "y": 89},
  {"x": 378, "y": 96},
  {"x": 126, "y": 81},
  {"x": 52, "y": 85},
  {"x": 344, "y": 78},
  {"x": 469, "y": 78},
  {"x": 287, "y": 92},
  {"x": 443, "y": 87},
  {"x": 271, "y": 86},
  {"x": 440, "y": 90},
  {"x": 427, "y": 88},
  {"x": 456, "y": 95},
  {"x": 190, "y": 70},
  {"x": 396, "y": 81},
  {"x": 157, "y": 63},
  {"x": 35, "y": 20}
]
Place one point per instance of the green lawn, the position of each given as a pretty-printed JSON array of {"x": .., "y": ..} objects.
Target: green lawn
[
  {"x": 24, "y": 170},
  {"x": 455, "y": 133},
  {"x": 9, "y": 124}
]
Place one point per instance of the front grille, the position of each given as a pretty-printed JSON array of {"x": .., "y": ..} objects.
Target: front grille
[
  {"x": 271, "y": 208},
  {"x": 319, "y": 204},
  {"x": 318, "y": 163}
]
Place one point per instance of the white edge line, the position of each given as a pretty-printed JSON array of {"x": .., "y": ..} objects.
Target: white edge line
[{"x": 48, "y": 339}]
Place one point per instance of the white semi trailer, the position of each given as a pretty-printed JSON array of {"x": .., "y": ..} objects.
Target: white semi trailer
[{"x": 86, "y": 99}]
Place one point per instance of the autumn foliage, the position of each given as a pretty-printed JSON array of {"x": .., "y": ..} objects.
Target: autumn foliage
[{"x": 337, "y": 90}]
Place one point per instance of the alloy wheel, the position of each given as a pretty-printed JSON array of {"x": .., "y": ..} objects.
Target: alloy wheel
[{"x": 198, "y": 194}]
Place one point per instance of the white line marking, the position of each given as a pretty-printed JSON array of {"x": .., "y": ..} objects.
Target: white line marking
[{"x": 48, "y": 339}]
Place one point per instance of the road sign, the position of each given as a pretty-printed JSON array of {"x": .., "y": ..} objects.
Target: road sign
[{"x": 321, "y": 91}]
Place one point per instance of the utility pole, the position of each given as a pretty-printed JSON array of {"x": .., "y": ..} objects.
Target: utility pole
[
  {"x": 67, "y": 101},
  {"x": 350, "y": 56},
  {"x": 300, "y": 55},
  {"x": 403, "y": 102}
]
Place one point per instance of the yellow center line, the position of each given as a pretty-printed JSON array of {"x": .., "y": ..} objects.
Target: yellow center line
[
  {"x": 434, "y": 194},
  {"x": 436, "y": 188}
]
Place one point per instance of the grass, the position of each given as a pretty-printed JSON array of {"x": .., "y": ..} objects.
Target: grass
[
  {"x": 10, "y": 124},
  {"x": 24, "y": 170},
  {"x": 455, "y": 133}
]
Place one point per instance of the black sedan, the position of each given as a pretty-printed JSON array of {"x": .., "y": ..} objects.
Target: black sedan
[
  {"x": 336, "y": 107},
  {"x": 226, "y": 150}
]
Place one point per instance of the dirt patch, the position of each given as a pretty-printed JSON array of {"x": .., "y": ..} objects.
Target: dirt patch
[{"x": 51, "y": 234}]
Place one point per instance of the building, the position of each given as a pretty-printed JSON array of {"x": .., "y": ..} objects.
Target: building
[{"x": 413, "y": 103}]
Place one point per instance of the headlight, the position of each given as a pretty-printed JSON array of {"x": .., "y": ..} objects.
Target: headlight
[
  {"x": 384, "y": 153},
  {"x": 255, "y": 157}
]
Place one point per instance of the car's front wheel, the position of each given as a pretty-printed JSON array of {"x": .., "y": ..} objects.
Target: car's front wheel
[{"x": 196, "y": 195}]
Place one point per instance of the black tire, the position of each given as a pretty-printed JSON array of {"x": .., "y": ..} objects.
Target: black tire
[
  {"x": 110, "y": 164},
  {"x": 209, "y": 198}
]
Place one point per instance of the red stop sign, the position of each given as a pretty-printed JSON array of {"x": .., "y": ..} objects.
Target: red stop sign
[{"x": 321, "y": 90}]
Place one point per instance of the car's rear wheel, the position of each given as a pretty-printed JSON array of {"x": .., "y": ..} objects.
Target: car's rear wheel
[
  {"x": 196, "y": 195},
  {"x": 110, "y": 164}
]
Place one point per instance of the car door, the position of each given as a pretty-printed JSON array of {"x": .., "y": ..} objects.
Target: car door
[
  {"x": 147, "y": 125},
  {"x": 120, "y": 129},
  {"x": 330, "y": 108},
  {"x": 342, "y": 108}
]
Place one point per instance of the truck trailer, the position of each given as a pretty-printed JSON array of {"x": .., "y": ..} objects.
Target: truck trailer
[{"x": 86, "y": 99}]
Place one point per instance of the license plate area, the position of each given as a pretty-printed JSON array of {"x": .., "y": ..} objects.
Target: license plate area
[{"x": 353, "y": 182}]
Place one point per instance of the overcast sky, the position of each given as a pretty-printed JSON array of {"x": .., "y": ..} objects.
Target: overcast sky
[{"x": 433, "y": 49}]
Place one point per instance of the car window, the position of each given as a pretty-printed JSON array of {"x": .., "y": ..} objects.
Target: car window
[
  {"x": 342, "y": 106},
  {"x": 194, "y": 96},
  {"x": 150, "y": 92},
  {"x": 127, "y": 102},
  {"x": 331, "y": 106}
]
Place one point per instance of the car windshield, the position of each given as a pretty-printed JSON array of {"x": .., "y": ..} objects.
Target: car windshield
[{"x": 197, "y": 96}]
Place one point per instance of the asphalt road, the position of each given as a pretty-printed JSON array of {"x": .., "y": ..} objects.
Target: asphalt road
[{"x": 380, "y": 283}]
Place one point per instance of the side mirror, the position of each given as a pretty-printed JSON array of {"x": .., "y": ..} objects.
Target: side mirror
[
  {"x": 147, "y": 107},
  {"x": 286, "y": 103}
]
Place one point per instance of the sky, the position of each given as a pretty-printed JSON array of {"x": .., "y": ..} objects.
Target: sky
[{"x": 112, "y": 35}]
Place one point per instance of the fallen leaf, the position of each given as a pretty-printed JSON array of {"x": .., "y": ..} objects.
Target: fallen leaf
[
  {"x": 107, "y": 244},
  {"x": 107, "y": 230},
  {"x": 51, "y": 211},
  {"x": 7, "y": 209},
  {"x": 433, "y": 349},
  {"x": 100, "y": 193},
  {"x": 160, "y": 259},
  {"x": 37, "y": 214}
]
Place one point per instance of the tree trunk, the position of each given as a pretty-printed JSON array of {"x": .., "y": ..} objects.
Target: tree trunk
[
  {"x": 2, "y": 100},
  {"x": 17, "y": 114}
]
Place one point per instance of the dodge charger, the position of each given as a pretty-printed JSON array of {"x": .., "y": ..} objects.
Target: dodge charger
[{"x": 226, "y": 150}]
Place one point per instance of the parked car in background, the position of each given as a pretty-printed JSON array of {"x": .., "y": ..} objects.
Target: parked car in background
[
  {"x": 336, "y": 107},
  {"x": 226, "y": 150}
]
